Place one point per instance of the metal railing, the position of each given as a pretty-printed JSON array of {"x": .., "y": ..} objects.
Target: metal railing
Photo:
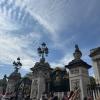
[{"x": 94, "y": 91}]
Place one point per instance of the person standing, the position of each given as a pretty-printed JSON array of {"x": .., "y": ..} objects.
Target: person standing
[{"x": 65, "y": 97}]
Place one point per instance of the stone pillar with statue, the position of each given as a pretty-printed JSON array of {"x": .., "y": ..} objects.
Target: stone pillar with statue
[
  {"x": 78, "y": 73},
  {"x": 41, "y": 73}
]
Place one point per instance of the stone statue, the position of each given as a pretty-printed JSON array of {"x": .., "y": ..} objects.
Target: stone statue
[{"x": 77, "y": 54}]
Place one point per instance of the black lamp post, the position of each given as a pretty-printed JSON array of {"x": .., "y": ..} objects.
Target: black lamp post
[
  {"x": 17, "y": 64},
  {"x": 43, "y": 50}
]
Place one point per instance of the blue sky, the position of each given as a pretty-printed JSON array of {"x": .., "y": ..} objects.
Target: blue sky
[{"x": 25, "y": 24}]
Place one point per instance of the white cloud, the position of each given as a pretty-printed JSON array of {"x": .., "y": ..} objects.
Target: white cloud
[
  {"x": 62, "y": 62},
  {"x": 1, "y": 75},
  {"x": 28, "y": 63},
  {"x": 12, "y": 47},
  {"x": 66, "y": 59},
  {"x": 6, "y": 24},
  {"x": 44, "y": 15}
]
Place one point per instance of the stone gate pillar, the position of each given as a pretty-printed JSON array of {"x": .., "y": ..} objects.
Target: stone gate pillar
[
  {"x": 78, "y": 73},
  {"x": 41, "y": 72},
  {"x": 14, "y": 78},
  {"x": 95, "y": 55}
]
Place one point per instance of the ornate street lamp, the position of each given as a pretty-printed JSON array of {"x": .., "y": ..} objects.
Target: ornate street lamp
[
  {"x": 43, "y": 50},
  {"x": 17, "y": 64}
]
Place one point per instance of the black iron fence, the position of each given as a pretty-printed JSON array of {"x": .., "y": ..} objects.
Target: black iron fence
[{"x": 93, "y": 90}]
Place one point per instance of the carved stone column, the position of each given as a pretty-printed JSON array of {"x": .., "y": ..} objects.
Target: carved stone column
[{"x": 78, "y": 74}]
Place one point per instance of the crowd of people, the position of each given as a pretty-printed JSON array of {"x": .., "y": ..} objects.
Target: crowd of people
[
  {"x": 13, "y": 96},
  {"x": 51, "y": 96},
  {"x": 72, "y": 95}
]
